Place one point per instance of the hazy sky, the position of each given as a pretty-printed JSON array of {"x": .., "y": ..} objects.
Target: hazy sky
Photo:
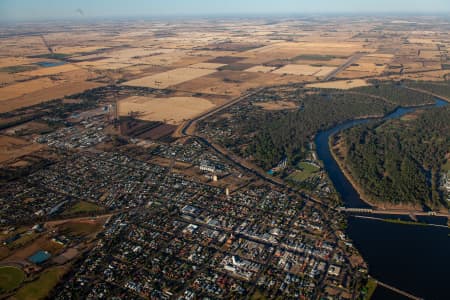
[{"x": 57, "y": 9}]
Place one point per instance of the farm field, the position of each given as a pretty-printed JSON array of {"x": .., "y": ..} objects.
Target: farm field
[
  {"x": 52, "y": 70},
  {"x": 305, "y": 70},
  {"x": 22, "y": 88},
  {"x": 339, "y": 84},
  {"x": 172, "y": 110},
  {"x": 170, "y": 78}
]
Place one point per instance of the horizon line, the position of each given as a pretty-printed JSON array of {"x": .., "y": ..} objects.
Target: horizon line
[{"x": 226, "y": 15}]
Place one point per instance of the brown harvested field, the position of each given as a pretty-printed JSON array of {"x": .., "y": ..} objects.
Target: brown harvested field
[
  {"x": 11, "y": 78},
  {"x": 57, "y": 90},
  {"x": 51, "y": 70},
  {"x": 23, "y": 88},
  {"x": 277, "y": 105},
  {"x": 12, "y": 148},
  {"x": 340, "y": 84},
  {"x": 305, "y": 70},
  {"x": 369, "y": 68},
  {"x": 16, "y": 61},
  {"x": 77, "y": 49},
  {"x": 226, "y": 59},
  {"x": 232, "y": 83},
  {"x": 172, "y": 110},
  {"x": 351, "y": 75},
  {"x": 158, "y": 132},
  {"x": 421, "y": 41},
  {"x": 430, "y": 54},
  {"x": 289, "y": 50},
  {"x": 169, "y": 78},
  {"x": 424, "y": 76},
  {"x": 208, "y": 66},
  {"x": 261, "y": 69}
]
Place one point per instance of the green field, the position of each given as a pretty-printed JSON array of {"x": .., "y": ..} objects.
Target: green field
[
  {"x": 305, "y": 171},
  {"x": 80, "y": 229},
  {"x": 10, "y": 278},
  {"x": 446, "y": 167},
  {"x": 370, "y": 288},
  {"x": 40, "y": 288},
  {"x": 82, "y": 207}
]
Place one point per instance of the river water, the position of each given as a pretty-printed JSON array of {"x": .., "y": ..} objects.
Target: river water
[{"x": 415, "y": 259}]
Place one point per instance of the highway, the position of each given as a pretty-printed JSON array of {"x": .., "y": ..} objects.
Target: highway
[{"x": 354, "y": 58}]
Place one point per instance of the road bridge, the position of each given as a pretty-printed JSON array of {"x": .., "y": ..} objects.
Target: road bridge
[{"x": 396, "y": 290}]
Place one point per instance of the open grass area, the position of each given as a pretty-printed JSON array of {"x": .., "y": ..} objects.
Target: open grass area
[
  {"x": 403, "y": 222},
  {"x": 81, "y": 228},
  {"x": 83, "y": 207},
  {"x": 305, "y": 171},
  {"x": 10, "y": 278},
  {"x": 307, "y": 167},
  {"x": 370, "y": 288},
  {"x": 40, "y": 288}
]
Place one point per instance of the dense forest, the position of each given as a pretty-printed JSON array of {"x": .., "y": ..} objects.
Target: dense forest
[
  {"x": 438, "y": 88},
  {"x": 396, "y": 94},
  {"x": 399, "y": 161},
  {"x": 288, "y": 135}
]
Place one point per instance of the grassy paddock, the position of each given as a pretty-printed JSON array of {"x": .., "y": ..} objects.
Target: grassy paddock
[
  {"x": 10, "y": 278},
  {"x": 40, "y": 288},
  {"x": 83, "y": 207}
]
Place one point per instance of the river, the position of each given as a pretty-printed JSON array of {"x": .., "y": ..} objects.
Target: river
[{"x": 415, "y": 259}]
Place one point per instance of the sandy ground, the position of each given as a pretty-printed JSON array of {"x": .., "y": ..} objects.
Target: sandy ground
[{"x": 172, "y": 110}]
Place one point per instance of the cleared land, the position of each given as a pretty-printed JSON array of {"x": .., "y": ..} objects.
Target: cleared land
[
  {"x": 169, "y": 78},
  {"x": 11, "y": 148},
  {"x": 340, "y": 84},
  {"x": 172, "y": 110},
  {"x": 277, "y": 105}
]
